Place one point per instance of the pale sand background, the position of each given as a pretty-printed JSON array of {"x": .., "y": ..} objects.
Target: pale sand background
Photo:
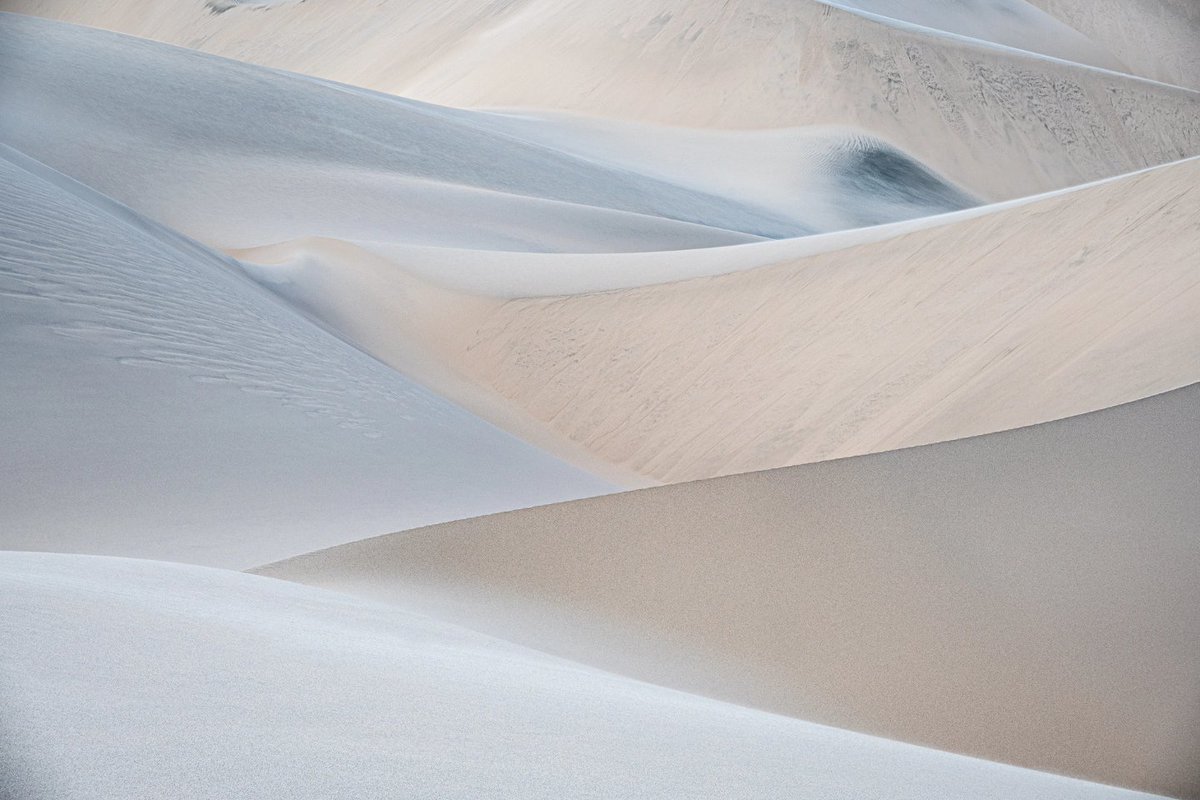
[
  {"x": 1157, "y": 38},
  {"x": 1065, "y": 305},
  {"x": 142, "y": 680},
  {"x": 1026, "y": 596},
  {"x": 1002, "y": 123}
]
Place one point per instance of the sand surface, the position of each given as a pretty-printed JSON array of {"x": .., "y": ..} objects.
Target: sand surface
[
  {"x": 158, "y": 405},
  {"x": 999, "y": 121},
  {"x": 1013, "y": 316},
  {"x": 1157, "y": 38},
  {"x": 1026, "y": 596},
  {"x": 235, "y": 685},
  {"x": 279, "y": 276}
]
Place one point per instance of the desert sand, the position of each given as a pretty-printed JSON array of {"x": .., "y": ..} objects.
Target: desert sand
[
  {"x": 158, "y": 405},
  {"x": 1025, "y": 597},
  {"x": 898, "y": 298},
  {"x": 235, "y": 685},
  {"x": 1051, "y": 308},
  {"x": 1125, "y": 29},
  {"x": 993, "y": 119}
]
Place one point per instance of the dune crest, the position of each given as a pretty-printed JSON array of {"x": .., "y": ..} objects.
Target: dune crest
[{"x": 1020, "y": 315}]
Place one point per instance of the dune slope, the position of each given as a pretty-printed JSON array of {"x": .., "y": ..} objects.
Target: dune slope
[
  {"x": 1000, "y": 122},
  {"x": 1026, "y": 596},
  {"x": 1157, "y": 38},
  {"x": 136, "y": 679},
  {"x": 166, "y": 131},
  {"x": 157, "y": 404},
  {"x": 1010, "y": 317}
]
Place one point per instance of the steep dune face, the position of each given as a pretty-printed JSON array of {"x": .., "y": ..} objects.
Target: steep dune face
[
  {"x": 206, "y": 683},
  {"x": 156, "y": 404},
  {"x": 1026, "y": 596},
  {"x": 1056, "y": 307},
  {"x": 1001, "y": 123},
  {"x": 1159, "y": 39}
]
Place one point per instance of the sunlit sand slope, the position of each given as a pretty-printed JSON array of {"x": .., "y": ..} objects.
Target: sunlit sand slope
[
  {"x": 1027, "y": 596},
  {"x": 998, "y": 121},
  {"x": 143, "y": 680},
  {"x": 1157, "y": 38},
  {"x": 1021, "y": 315}
]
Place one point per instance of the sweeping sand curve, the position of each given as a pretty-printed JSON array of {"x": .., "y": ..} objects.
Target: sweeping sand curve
[
  {"x": 1009, "y": 317},
  {"x": 1157, "y": 38},
  {"x": 159, "y": 405},
  {"x": 1026, "y": 596},
  {"x": 1001, "y": 122},
  {"x": 301, "y": 693}
]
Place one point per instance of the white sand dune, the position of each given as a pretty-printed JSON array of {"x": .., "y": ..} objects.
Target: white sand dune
[
  {"x": 137, "y": 679},
  {"x": 249, "y": 317},
  {"x": 1000, "y": 122},
  {"x": 1010, "y": 23},
  {"x": 157, "y": 404},
  {"x": 364, "y": 167},
  {"x": 1027, "y": 596},
  {"x": 1157, "y": 38},
  {"x": 1008, "y": 316}
]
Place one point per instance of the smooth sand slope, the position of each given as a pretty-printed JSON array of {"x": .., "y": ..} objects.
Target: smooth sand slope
[
  {"x": 1009, "y": 23},
  {"x": 1157, "y": 38},
  {"x": 157, "y": 404},
  {"x": 1027, "y": 596},
  {"x": 1014, "y": 316},
  {"x": 136, "y": 679},
  {"x": 239, "y": 156},
  {"x": 1000, "y": 122}
]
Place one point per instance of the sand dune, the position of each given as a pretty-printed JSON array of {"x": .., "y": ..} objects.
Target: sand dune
[
  {"x": 1013, "y": 316},
  {"x": 204, "y": 683},
  {"x": 1010, "y": 23},
  {"x": 1000, "y": 122},
  {"x": 1157, "y": 38},
  {"x": 334, "y": 267},
  {"x": 1026, "y": 596},
  {"x": 380, "y": 169},
  {"x": 157, "y": 404}
]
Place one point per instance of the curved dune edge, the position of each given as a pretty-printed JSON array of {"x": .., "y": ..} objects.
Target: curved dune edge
[
  {"x": 1003, "y": 123},
  {"x": 1077, "y": 301},
  {"x": 1024, "y": 596},
  {"x": 1126, "y": 28},
  {"x": 230, "y": 685},
  {"x": 156, "y": 404}
]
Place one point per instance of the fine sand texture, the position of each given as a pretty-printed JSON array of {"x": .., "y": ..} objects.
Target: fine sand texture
[
  {"x": 1000, "y": 121},
  {"x": 1159, "y": 39},
  {"x": 1027, "y": 597},
  {"x": 157, "y": 404},
  {"x": 142, "y": 680},
  {"x": 1015, "y": 316}
]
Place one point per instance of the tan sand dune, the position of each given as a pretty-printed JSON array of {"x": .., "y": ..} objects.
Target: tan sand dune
[
  {"x": 143, "y": 680},
  {"x": 1071, "y": 303},
  {"x": 1001, "y": 123},
  {"x": 1159, "y": 39},
  {"x": 1027, "y": 596}
]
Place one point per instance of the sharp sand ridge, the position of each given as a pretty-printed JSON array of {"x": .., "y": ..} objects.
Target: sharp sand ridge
[
  {"x": 205, "y": 683},
  {"x": 999, "y": 121},
  {"x": 1013, "y": 316},
  {"x": 1025, "y": 596},
  {"x": 158, "y": 405}
]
